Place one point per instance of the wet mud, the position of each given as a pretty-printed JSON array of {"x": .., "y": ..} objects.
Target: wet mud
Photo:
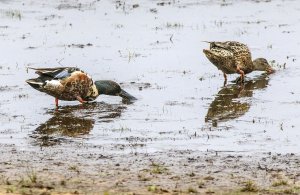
[{"x": 186, "y": 134}]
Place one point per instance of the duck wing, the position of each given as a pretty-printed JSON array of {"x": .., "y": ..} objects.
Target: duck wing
[
  {"x": 55, "y": 73},
  {"x": 241, "y": 53},
  {"x": 232, "y": 46}
]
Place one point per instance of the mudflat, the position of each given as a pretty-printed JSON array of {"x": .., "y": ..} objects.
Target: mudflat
[{"x": 187, "y": 132}]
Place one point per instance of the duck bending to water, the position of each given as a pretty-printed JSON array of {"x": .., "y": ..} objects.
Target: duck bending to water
[
  {"x": 233, "y": 57},
  {"x": 71, "y": 83}
]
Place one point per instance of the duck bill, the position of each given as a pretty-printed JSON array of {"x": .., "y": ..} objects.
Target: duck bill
[{"x": 270, "y": 70}]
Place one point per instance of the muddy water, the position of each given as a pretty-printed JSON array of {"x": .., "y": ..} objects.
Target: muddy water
[{"x": 154, "y": 50}]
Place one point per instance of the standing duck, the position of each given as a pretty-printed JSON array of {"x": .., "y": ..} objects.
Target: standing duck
[
  {"x": 71, "y": 83},
  {"x": 233, "y": 57}
]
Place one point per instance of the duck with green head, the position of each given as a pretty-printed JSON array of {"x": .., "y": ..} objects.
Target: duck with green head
[
  {"x": 233, "y": 57},
  {"x": 71, "y": 83}
]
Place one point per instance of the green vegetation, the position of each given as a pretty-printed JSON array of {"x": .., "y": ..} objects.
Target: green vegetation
[
  {"x": 32, "y": 176},
  {"x": 249, "y": 186},
  {"x": 208, "y": 178},
  {"x": 12, "y": 13},
  {"x": 192, "y": 190},
  {"x": 280, "y": 183},
  {"x": 152, "y": 188},
  {"x": 157, "y": 168},
  {"x": 74, "y": 168}
]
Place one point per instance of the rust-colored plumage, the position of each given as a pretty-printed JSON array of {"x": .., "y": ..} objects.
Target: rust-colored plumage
[
  {"x": 71, "y": 83},
  {"x": 63, "y": 83}
]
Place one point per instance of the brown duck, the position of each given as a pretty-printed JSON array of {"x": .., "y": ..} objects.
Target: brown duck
[
  {"x": 233, "y": 57},
  {"x": 71, "y": 83}
]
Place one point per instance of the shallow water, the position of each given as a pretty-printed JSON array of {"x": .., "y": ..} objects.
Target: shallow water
[{"x": 155, "y": 51}]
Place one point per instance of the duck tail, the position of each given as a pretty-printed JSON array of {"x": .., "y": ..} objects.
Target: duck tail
[
  {"x": 127, "y": 96},
  {"x": 32, "y": 68},
  {"x": 210, "y": 42},
  {"x": 35, "y": 83}
]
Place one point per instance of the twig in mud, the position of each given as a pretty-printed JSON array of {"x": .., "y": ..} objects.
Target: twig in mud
[
  {"x": 27, "y": 67},
  {"x": 262, "y": 168},
  {"x": 60, "y": 61},
  {"x": 230, "y": 151},
  {"x": 207, "y": 135},
  {"x": 171, "y": 38}
]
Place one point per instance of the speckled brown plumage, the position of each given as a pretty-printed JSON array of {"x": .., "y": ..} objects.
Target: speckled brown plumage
[{"x": 234, "y": 57}]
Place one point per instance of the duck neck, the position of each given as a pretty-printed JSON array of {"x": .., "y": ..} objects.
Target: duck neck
[{"x": 256, "y": 65}]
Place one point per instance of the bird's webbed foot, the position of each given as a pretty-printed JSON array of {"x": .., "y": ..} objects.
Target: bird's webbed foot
[
  {"x": 240, "y": 80},
  {"x": 81, "y": 100}
]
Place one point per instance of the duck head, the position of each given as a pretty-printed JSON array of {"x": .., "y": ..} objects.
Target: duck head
[
  {"x": 261, "y": 64},
  {"x": 93, "y": 93}
]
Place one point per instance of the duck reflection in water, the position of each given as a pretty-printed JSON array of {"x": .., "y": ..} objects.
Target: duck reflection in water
[
  {"x": 229, "y": 103},
  {"x": 73, "y": 121}
]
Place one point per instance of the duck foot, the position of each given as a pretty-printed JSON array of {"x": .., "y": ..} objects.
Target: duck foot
[
  {"x": 56, "y": 102},
  {"x": 81, "y": 100},
  {"x": 242, "y": 77},
  {"x": 225, "y": 79},
  {"x": 239, "y": 80}
]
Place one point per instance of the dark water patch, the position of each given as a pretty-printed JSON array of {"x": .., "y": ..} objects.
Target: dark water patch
[
  {"x": 81, "y": 46},
  {"x": 21, "y": 96},
  {"x": 31, "y": 47},
  {"x": 68, "y": 6},
  {"x": 229, "y": 103},
  {"x": 66, "y": 126},
  {"x": 10, "y": 13},
  {"x": 176, "y": 103},
  {"x": 95, "y": 156},
  {"x": 164, "y": 3},
  {"x": 77, "y": 6},
  {"x": 126, "y": 6},
  {"x": 73, "y": 122},
  {"x": 50, "y": 17},
  {"x": 138, "y": 85},
  {"x": 7, "y": 88},
  {"x": 153, "y": 10}
]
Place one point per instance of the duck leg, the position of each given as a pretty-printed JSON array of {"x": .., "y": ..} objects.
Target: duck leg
[
  {"x": 241, "y": 73},
  {"x": 56, "y": 102},
  {"x": 225, "y": 78},
  {"x": 80, "y": 100}
]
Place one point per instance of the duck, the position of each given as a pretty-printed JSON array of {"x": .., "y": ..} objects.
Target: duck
[
  {"x": 72, "y": 83},
  {"x": 229, "y": 102},
  {"x": 234, "y": 57}
]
